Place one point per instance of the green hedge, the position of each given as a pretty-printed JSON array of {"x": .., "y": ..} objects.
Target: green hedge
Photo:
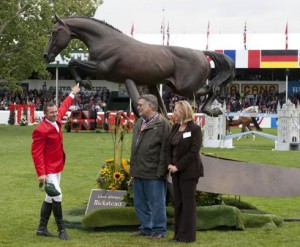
[{"x": 208, "y": 217}]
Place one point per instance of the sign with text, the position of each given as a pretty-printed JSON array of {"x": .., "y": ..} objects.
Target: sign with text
[
  {"x": 259, "y": 89},
  {"x": 255, "y": 89},
  {"x": 105, "y": 199}
]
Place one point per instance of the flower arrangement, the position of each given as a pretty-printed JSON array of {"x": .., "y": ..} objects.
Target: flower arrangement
[
  {"x": 114, "y": 174},
  {"x": 112, "y": 179}
]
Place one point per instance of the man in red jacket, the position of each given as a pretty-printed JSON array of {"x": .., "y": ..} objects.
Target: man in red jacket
[{"x": 49, "y": 158}]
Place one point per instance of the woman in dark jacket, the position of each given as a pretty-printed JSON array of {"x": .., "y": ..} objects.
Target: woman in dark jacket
[{"x": 186, "y": 167}]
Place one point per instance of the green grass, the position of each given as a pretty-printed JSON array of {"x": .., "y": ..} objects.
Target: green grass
[
  {"x": 86, "y": 151},
  {"x": 259, "y": 151}
]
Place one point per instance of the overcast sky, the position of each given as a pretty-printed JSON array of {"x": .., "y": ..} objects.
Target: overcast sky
[{"x": 192, "y": 16}]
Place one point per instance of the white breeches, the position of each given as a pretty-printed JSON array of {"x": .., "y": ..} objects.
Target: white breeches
[{"x": 55, "y": 179}]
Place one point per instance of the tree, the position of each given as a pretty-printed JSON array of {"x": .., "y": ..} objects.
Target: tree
[{"x": 24, "y": 29}]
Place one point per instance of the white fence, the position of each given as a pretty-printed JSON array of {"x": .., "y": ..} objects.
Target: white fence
[{"x": 265, "y": 120}]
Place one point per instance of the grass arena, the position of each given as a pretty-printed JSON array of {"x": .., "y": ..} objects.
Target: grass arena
[{"x": 86, "y": 152}]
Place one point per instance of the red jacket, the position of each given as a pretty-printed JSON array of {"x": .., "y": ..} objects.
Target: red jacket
[{"x": 47, "y": 147}]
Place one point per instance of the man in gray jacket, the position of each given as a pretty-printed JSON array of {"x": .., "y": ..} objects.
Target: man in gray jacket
[{"x": 148, "y": 166}]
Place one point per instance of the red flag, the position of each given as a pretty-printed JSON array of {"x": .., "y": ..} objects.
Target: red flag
[
  {"x": 286, "y": 36},
  {"x": 245, "y": 36},
  {"x": 162, "y": 30},
  {"x": 132, "y": 30},
  {"x": 207, "y": 35},
  {"x": 168, "y": 35}
]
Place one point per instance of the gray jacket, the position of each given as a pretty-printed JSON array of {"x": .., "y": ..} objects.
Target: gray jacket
[{"x": 149, "y": 149}]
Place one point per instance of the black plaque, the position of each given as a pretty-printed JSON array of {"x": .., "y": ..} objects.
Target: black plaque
[{"x": 105, "y": 199}]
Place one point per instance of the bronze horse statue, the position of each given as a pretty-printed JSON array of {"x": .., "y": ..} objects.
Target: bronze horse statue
[{"x": 116, "y": 57}]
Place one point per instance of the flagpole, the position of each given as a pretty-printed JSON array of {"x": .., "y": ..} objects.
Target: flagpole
[
  {"x": 168, "y": 34},
  {"x": 56, "y": 87},
  {"x": 162, "y": 28},
  {"x": 207, "y": 35},
  {"x": 206, "y": 48},
  {"x": 245, "y": 36},
  {"x": 286, "y": 36},
  {"x": 162, "y": 31},
  {"x": 132, "y": 35},
  {"x": 132, "y": 30},
  {"x": 287, "y": 71}
]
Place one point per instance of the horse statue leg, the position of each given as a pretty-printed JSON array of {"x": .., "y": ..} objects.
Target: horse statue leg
[
  {"x": 133, "y": 94},
  {"x": 162, "y": 109},
  {"x": 86, "y": 66},
  {"x": 225, "y": 73},
  {"x": 210, "y": 97},
  {"x": 206, "y": 107}
]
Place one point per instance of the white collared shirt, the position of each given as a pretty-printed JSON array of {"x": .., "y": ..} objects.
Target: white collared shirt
[{"x": 54, "y": 124}]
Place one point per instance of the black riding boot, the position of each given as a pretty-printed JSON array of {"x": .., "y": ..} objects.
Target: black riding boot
[
  {"x": 45, "y": 215},
  {"x": 57, "y": 211}
]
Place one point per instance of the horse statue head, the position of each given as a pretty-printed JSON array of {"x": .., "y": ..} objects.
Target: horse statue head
[{"x": 59, "y": 40}]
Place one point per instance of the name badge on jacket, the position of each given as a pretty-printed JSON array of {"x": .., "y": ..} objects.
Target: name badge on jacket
[{"x": 187, "y": 134}]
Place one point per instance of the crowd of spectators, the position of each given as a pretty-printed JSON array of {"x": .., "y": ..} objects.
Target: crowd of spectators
[
  {"x": 266, "y": 102},
  {"x": 97, "y": 100},
  {"x": 88, "y": 100}
]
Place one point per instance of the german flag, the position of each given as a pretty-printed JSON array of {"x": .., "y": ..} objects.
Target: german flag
[{"x": 279, "y": 59}]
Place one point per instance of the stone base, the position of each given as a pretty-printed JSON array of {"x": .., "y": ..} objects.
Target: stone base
[
  {"x": 217, "y": 143},
  {"x": 287, "y": 146}
]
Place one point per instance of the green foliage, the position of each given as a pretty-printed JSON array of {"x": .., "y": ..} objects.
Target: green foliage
[
  {"x": 128, "y": 198},
  {"x": 114, "y": 174},
  {"x": 219, "y": 216},
  {"x": 73, "y": 217},
  {"x": 208, "y": 199},
  {"x": 208, "y": 217},
  {"x": 111, "y": 217},
  {"x": 236, "y": 202},
  {"x": 260, "y": 151},
  {"x": 24, "y": 29},
  {"x": 112, "y": 177},
  {"x": 264, "y": 221}
]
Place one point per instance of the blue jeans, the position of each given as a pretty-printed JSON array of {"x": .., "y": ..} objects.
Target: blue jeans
[{"x": 150, "y": 204}]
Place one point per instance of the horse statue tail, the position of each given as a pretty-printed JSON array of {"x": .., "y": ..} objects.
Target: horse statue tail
[
  {"x": 253, "y": 120},
  {"x": 225, "y": 71}
]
